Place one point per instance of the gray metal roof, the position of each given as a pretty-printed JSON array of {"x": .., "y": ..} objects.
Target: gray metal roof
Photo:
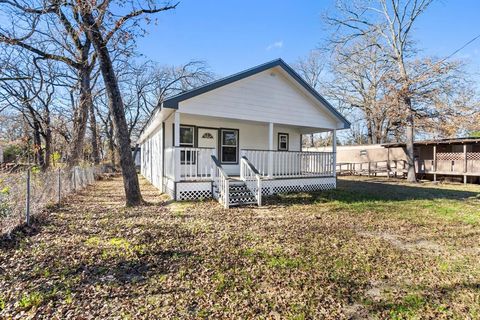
[{"x": 173, "y": 101}]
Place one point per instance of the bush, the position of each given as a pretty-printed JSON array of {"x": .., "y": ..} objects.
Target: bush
[{"x": 11, "y": 152}]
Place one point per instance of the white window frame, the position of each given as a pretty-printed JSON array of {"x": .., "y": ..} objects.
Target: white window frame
[
  {"x": 279, "y": 147},
  {"x": 189, "y": 154}
]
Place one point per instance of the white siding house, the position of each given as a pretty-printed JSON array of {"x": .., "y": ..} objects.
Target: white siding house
[{"x": 239, "y": 138}]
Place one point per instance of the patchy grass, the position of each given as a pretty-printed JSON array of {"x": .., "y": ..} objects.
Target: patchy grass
[{"x": 372, "y": 248}]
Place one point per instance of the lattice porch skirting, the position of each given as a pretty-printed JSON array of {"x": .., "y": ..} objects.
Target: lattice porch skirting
[
  {"x": 271, "y": 187},
  {"x": 203, "y": 189},
  {"x": 194, "y": 190}
]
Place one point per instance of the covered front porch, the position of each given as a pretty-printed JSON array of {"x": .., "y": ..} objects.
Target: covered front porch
[
  {"x": 221, "y": 157},
  {"x": 274, "y": 150}
]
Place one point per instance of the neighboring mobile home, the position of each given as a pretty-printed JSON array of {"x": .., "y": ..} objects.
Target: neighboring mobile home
[
  {"x": 239, "y": 138},
  {"x": 448, "y": 158}
]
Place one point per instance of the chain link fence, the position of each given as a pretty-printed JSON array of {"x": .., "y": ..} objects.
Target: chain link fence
[{"x": 25, "y": 194}]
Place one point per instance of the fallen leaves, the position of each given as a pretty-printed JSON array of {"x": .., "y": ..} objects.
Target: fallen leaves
[{"x": 367, "y": 249}]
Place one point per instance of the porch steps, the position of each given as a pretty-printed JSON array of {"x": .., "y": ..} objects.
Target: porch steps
[{"x": 239, "y": 195}]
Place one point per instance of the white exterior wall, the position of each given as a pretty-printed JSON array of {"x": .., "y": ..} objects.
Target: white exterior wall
[
  {"x": 1, "y": 154},
  {"x": 252, "y": 135},
  {"x": 269, "y": 96},
  {"x": 152, "y": 158}
]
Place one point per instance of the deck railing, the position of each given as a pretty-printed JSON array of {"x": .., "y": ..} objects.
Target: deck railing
[
  {"x": 290, "y": 164},
  {"x": 250, "y": 175},
  {"x": 192, "y": 164},
  {"x": 372, "y": 167},
  {"x": 453, "y": 163},
  {"x": 221, "y": 182}
]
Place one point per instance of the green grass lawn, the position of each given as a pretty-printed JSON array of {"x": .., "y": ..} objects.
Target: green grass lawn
[{"x": 372, "y": 248}]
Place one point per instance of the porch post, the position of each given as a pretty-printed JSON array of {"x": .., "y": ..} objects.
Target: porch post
[
  {"x": 334, "y": 152},
  {"x": 434, "y": 163},
  {"x": 270, "y": 148},
  {"x": 176, "y": 142}
]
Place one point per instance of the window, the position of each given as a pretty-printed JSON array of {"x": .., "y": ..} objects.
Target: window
[
  {"x": 229, "y": 146},
  {"x": 187, "y": 139},
  {"x": 187, "y": 136},
  {"x": 283, "y": 141}
]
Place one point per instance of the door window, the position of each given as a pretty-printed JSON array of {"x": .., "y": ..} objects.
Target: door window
[{"x": 229, "y": 146}]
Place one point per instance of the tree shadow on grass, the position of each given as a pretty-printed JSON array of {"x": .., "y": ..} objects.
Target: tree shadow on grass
[
  {"x": 125, "y": 277},
  {"x": 361, "y": 191}
]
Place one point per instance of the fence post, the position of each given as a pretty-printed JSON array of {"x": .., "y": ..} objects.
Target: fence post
[
  {"x": 59, "y": 185},
  {"x": 27, "y": 200}
]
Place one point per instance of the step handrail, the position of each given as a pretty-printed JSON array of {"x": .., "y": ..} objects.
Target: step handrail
[
  {"x": 221, "y": 180},
  {"x": 252, "y": 178}
]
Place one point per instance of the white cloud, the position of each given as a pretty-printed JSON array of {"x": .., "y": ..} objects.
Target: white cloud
[{"x": 275, "y": 45}]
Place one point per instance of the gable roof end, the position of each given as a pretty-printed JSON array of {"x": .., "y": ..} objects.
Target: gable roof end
[{"x": 172, "y": 103}]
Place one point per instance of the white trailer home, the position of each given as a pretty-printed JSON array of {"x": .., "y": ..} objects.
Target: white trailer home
[{"x": 239, "y": 138}]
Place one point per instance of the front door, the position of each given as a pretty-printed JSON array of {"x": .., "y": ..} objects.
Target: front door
[{"x": 207, "y": 138}]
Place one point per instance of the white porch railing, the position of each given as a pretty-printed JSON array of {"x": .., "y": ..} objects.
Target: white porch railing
[
  {"x": 221, "y": 183},
  {"x": 252, "y": 179},
  {"x": 290, "y": 164},
  {"x": 192, "y": 164}
]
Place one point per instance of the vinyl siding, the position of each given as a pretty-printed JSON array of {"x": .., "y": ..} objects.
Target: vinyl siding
[
  {"x": 269, "y": 96},
  {"x": 151, "y": 158}
]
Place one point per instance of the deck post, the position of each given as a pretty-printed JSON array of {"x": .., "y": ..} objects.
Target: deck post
[
  {"x": 270, "y": 148},
  {"x": 465, "y": 163},
  {"x": 388, "y": 162},
  {"x": 334, "y": 153},
  {"x": 434, "y": 163},
  {"x": 176, "y": 142}
]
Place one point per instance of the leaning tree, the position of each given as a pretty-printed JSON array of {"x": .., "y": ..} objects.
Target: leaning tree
[{"x": 103, "y": 23}]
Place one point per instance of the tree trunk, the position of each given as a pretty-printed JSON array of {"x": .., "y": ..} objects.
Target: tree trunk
[
  {"x": 111, "y": 147},
  {"x": 81, "y": 117},
  {"x": 369, "y": 132},
  {"x": 93, "y": 129},
  {"x": 48, "y": 147},
  {"x": 117, "y": 110},
  {"x": 37, "y": 144},
  {"x": 411, "y": 176}
]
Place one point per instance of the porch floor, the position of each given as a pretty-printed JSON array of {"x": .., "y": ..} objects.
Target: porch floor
[{"x": 237, "y": 177}]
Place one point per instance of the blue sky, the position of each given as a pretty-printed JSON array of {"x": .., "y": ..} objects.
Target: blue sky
[{"x": 232, "y": 35}]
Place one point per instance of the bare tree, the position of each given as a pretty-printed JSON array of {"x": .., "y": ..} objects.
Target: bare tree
[
  {"x": 32, "y": 94},
  {"x": 52, "y": 30},
  {"x": 394, "y": 21},
  {"x": 312, "y": 68},
  {"x": 363, "y": 81},
  {"x": 102, "y": 24}
]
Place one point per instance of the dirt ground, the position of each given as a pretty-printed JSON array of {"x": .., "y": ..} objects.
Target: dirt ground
[{"x": 372, "y": 248}]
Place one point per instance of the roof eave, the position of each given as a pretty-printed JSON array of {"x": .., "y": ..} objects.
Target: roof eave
[{"x": 172, "y": 103}]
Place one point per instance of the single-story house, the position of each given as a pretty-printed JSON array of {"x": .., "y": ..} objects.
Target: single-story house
[
  {"x": 448, "y": 158},
  {"x": 1, "y": 154},
  {"x": 240, "y": 138}
]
